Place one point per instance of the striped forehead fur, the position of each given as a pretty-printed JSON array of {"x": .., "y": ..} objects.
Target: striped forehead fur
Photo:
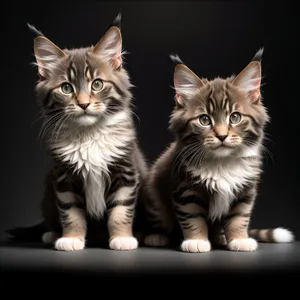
[{"x": 218, "y": 96}]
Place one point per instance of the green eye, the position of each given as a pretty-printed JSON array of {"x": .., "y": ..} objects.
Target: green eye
[
  {"x": 67, "y": 88},
  {"x": 97, "y": 85},
  {"x": 205, "y": 120},
  {"x": 235, "y": 118}
]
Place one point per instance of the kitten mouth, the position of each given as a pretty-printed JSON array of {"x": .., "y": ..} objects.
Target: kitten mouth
[
  {"x": 85, "y": 114},
  {"x": 223, "y": 146}
]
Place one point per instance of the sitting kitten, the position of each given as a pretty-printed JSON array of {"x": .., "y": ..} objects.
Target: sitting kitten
[
  {"x": 206, "y": 182},
  {"x": 98, "y": 167}
]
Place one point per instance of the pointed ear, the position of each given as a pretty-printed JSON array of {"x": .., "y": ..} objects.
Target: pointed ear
[
  {"x": 46, "y": 54},
  {"x": 249, "y": 80},
  {"x": 110, "y": 47},
  {"x": 186, "y": 83}
]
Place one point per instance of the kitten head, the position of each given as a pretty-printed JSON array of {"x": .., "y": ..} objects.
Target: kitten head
[
  {"x": 82, "y": 85},
  {"x": 223, "y": 116}
]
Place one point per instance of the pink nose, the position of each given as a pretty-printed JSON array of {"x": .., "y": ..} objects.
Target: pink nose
[{"x": 83, "y": 105}]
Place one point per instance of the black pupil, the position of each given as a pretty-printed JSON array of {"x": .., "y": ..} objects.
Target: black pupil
[
  {"x": 67, "y": 87},
  {"x": 205, "y": 119},
  {"x": 235, "y": 117},
  {"x": 96, "y": 84}
]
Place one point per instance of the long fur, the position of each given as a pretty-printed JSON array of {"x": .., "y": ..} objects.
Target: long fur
[
  {"x": 202, "y": 188},
  {"x": 98, "y": 168}
]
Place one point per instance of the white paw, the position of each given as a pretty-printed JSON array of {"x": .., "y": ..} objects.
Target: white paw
[
  {"x": 195, "y": 246},
  {"x": 123, "y": 243},
  {"x": 156, "y": 240},
  {"x": 243, "y": 245},
  {"x": 49, "y": 237},
  {"x": 69, "y": 244}
]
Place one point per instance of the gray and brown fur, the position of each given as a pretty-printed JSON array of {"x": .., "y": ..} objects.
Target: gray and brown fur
[
  {"x": 202, "y": 189},
  {"x": 90, "y": 134}
]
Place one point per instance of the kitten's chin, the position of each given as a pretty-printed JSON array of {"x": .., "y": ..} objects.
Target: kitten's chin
[
  {"x": 86, "y": 120},
  {"x": 222, "y": 151}
]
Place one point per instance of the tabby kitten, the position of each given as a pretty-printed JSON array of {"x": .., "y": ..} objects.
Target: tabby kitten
[
  {"x": 205, "y": 184},
  {"x": 98, "y": 166}
]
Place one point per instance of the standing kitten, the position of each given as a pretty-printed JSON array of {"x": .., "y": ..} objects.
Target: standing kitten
[
  {"x": 206, "y": 181},
  {"x": 98, "y": 167}
]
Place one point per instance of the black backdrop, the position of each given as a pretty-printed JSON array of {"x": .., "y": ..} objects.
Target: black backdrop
[{"x": 215, "y": 38}]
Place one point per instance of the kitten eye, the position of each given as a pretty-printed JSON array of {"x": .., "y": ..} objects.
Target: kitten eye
[
  {"x": 205, "y": 120},
  {"x": 67, "y": 88},
  {"x": 235, "y": 118},
  {"x": 97, "y": 85}
]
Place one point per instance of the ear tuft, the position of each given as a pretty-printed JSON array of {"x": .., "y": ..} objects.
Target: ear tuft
[
  {"x": 258, "y": 55},
  {"x": 176, "y": 59},
  {"x": 35, "y": 31},
  {"x": 117, "y": 21}
]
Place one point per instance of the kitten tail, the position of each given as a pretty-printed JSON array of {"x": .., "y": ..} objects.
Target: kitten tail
[
  {"x": 273, "y": 235},
  {"x": 27, "y": 234}
]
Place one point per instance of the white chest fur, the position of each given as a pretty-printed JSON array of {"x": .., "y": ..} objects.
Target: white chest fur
[
  {"x": 91, "y": 152},
  {"x": 224, "y": 178}
]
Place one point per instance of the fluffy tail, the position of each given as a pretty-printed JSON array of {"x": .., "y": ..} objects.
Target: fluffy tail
[
  {"x": 27, "y": 234},
  {"x": 274, "y": 235}
]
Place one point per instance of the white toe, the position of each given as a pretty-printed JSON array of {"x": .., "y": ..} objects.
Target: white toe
[
  {"x": 247, "y": 245},
  {"x": 69, "y": 244},
  {"x": 123, "y": 243},
  {"x": 196, "y": 246}
]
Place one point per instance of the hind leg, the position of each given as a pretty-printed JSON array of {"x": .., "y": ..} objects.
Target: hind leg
[
  {"x": 217, "y": 235},
  {"x": 50, "y": 237},
  {"x": 160, "y": 222},
  {"x": 156, "y": 240},
  {"x": 50, "y": 212},
  {"x": 219, "y": 240}
]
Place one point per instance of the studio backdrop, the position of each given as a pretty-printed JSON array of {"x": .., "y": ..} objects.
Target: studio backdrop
[{"x": 213, "y": 38}]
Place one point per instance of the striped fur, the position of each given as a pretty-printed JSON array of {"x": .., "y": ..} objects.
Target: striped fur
[
  {"x": 204, "y": 185},
  {"x": 89, "y": 131}
]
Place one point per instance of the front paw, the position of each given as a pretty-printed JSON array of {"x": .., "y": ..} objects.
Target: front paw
[
  {"x": 69, "y": 244},
  {"x": 246, "y": 245},
  {"x": 196, "y": 246},
  {"x": 123, "y": 243}
]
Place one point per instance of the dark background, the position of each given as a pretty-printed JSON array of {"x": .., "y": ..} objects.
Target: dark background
[{"x": 213, "y": 38}]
